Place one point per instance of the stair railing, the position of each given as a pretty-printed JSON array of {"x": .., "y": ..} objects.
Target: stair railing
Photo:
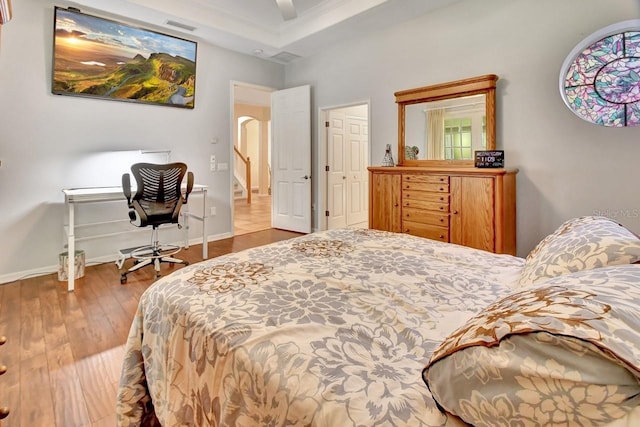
[{"x": 247, "y": 168}]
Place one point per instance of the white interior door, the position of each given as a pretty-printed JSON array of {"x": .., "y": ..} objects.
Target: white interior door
[
  {"x": 347, "y": 136},
  {"x": 337, "y": 175},
  {"x": 291, "y": 159},
  {"x": 357, "y": 174}
]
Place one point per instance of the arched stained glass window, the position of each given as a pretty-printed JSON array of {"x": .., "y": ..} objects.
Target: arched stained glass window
[{"x": 600, "y": 79}]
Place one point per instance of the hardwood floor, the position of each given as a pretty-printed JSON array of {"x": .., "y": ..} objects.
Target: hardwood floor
[
  {"x": 64, "y": 349},
  {"x": 253, "y": 217}
]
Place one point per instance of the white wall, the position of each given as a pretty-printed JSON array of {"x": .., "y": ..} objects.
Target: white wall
[
  {"x": 568, "y": 167},
  {"x": 45, "y": 139}
]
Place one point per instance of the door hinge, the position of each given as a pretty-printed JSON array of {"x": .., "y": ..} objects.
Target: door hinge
[
  {"x": 326, "y": 124},
  {"x": 326, "y": 168},
  {"x": 326, "y": 213}
]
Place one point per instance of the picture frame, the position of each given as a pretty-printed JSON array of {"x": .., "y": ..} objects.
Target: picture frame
[{"x": 101, "y": 58}]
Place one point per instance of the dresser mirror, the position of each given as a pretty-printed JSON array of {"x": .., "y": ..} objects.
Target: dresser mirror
[{"x": 445, "y": 123}]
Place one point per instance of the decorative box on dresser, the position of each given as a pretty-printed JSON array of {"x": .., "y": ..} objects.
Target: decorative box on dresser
[{"x": 474, "y": 207}]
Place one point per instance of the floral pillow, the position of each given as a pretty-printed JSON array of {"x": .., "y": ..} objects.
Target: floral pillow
[
  {"x": 580, "y": 244},
  {"x": 566, "y": 352}
]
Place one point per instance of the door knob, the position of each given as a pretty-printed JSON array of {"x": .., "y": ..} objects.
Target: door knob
[{"x": 306, "y": 177}]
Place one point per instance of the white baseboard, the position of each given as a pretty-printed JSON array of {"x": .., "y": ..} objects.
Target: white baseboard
[
  {"x": 19, "y": 275},
  {"x": 51, "y": 269}
]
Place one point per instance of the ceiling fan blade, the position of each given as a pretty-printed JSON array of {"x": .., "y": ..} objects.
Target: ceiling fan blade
[{"x": 287, "y": 9}]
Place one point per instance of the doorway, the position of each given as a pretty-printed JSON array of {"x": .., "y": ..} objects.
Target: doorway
[
  {"x": 346, "y": 136},
  {"x": 251, "y": 178}
]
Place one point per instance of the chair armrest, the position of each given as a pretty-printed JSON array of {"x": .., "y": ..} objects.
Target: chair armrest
[
  {"x": 126, "y": 187},
  {"x": 189, "y": 186}
]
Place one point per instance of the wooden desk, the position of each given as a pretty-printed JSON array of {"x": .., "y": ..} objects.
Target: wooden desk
[{"x": 73, "y": 196}]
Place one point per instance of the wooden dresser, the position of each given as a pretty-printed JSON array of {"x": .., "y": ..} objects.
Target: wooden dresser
[
  {"x": 465, "y": 205},
  {"x": 4, "y": 411}
]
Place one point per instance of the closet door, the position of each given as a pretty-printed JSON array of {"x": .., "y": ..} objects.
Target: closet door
[
  {"x": 472, "y": 221},
  {"x": 356, "y": 151},
  {"x": 347, "y": 177}
]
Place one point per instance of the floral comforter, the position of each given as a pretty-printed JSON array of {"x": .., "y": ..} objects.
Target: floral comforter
[{"x": 328, "y": 329}]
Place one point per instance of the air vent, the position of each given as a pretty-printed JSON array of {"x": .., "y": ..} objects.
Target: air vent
[
  {"x": 181, "y": 25},
  {"x": 285, "y": 57}
]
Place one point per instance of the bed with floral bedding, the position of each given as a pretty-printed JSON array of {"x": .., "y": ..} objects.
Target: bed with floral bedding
[{"x": 358, "y": 327}]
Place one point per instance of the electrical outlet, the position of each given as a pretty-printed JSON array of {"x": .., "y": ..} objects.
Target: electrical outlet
[
  {"x": 212, "y": 163},
  {"x": 212, "y": 210}
]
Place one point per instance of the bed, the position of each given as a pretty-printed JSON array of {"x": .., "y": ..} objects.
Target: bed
[{"x": 360, "y": 327}]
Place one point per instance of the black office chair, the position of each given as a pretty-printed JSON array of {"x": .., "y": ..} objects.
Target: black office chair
[{"x": 157, "y": 200}]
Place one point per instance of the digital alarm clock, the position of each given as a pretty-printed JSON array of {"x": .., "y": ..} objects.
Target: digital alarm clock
[{"x": 489, "y": 159}]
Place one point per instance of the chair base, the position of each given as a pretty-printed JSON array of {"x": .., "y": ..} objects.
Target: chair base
[{"x": 152, "y": 255}]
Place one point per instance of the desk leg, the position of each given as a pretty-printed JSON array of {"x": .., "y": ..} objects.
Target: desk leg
[
  {"x": 185, "y": 224},
  {"x": 71, "y": 250},
  {"x": 205, "y": 243}
]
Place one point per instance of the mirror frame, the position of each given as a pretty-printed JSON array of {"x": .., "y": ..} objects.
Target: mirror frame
[{"x": 485, "y": 84}]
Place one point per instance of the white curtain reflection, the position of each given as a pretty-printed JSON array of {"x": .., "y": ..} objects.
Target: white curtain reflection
[
  {"x": 435, "y": 134},
  {"x": 5, "y": 11}
]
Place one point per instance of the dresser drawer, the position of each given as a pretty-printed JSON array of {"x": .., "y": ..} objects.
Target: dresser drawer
[
  {"x": 434, "y": 197},
  {"x": 438, "y": 206},
  {"x": 427, "y": 179},
  {"x": 426, "y": 187},
  {"x": 424, "y": 230},
  {"x": 425, "y": 217}
]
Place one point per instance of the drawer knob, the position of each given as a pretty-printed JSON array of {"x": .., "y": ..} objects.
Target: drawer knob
[
  {"x": 442, "y": 236},
  {"x": 3, "y": 369},
  {"x": 4, "y": 412},
  {"x": 441, "y": 189},
  {"x": 441, "y": 219},
  {"x": 455, "y": 212}
]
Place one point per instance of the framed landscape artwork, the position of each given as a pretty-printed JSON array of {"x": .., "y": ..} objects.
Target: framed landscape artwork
[{"x": 100, "y": 58}]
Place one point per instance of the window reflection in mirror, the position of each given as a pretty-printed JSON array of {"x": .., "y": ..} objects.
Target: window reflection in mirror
[{"x": 450, "y": 129}]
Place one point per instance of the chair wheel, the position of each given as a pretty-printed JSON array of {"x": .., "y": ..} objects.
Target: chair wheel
[{"x": 123, "y": 279}]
